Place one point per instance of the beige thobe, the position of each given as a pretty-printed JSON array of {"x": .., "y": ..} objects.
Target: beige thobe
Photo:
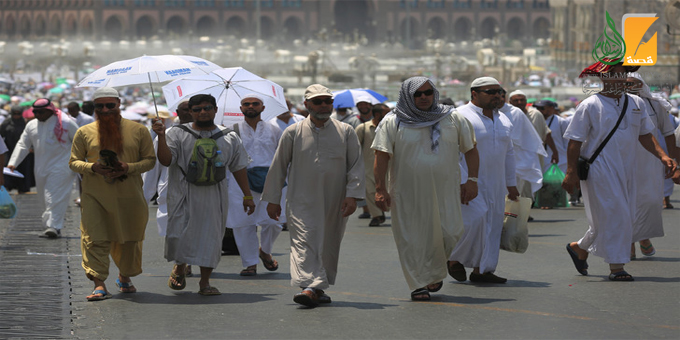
[
  {"x": 366, "y": 134},
  {"x": 325, "y": 168},
  {"x": 425, "y": 189}
]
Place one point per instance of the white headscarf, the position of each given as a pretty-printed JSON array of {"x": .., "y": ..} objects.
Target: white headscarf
[{"x": 646, "y": 93}]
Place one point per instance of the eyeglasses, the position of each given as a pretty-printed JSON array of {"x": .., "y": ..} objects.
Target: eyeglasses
[
  {"x": 198, "y": 109},
  {"x": 540, "y": 108},
  {"x": 41, "y": 111},
  {"x": 317, "y": 101},
  {"x": 109, "y": 106},
  {"x": 631, "y": 83},
  {"x": 491, "y": 92},
  {"x": 253, "y": 104},
  {"x": 420, "y": 93}
]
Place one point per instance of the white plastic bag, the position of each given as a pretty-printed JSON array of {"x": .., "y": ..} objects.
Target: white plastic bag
[{"x": 515, "y": 235}]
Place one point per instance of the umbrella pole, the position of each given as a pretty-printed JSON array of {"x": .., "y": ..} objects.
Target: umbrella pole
[{"x": 153, "y": 96}]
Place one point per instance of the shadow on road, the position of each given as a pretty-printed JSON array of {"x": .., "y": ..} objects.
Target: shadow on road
[
  {"x": 190, "y": 297},
  {"x": 467, "y": 300}
]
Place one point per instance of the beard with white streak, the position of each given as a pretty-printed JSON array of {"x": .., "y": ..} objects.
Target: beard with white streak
[{"x": 319, "y": 115}]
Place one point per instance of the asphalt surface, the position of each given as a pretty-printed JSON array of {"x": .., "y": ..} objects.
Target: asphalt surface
[{"x": 43, "y": 289}]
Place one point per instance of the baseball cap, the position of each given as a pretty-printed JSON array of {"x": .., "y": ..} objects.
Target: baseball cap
[{"x": 317, "y": 90}]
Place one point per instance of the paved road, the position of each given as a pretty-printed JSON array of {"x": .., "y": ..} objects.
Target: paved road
[{"x": 544, "y": 298}]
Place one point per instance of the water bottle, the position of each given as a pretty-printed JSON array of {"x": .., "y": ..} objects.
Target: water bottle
[{"x": 218, "y": 159}]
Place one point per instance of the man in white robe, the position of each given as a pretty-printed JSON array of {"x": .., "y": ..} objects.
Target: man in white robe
[
  {"x": 197, "y": 214},
  {"x": 649, "y": 174},
  {"x": 610, "y": 189},
  {"x": 320, "y": 160},
  {"x": 50, "y": 136},
  {"x": 366, "y": 134},
  {"x": 345, "y": 115},
  {"x": 527, "y": 145},
  {"x": 422, "y": 140},
  {"x": 80, "y": 117},
  {"x": 287, "y": 118},
  {"x": 557, "y": 126},
  {"x": 260, "y": 140},
  {"x": 480, "y": 245}
]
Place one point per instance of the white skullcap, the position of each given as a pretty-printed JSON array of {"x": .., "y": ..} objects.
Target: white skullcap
[
  {"x": 484, "y": 81},
  {"x": 364, "y": 98},
  {"x": 516, "y": 93},
  {"x": 253, "y": 95},
  {"x": 105, "y": 92}
]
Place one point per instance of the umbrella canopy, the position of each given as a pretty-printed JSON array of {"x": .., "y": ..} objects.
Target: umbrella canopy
[
  {"x": 5, "y": 97},
  {"x": 27, "y": 103},
  {"x": 228, "y": 86},
  {"x": 674, "y": 96},
  {"x": 147, "y": 69},
  {"x": 347, "y": 98}
]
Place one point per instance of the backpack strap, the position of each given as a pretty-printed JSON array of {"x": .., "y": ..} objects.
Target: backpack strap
[
  {"x": 237, "y": 129},
  {"x": 185, "y": 128}
]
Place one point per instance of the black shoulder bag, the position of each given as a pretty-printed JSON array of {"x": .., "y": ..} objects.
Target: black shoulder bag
[{"x": 584, "y": 163}]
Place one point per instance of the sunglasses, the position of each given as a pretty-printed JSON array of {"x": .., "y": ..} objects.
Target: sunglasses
[
  {"x": 630, "y": 83},
  {"x": 198, "y": 109},
  {"x": 420, "y": 93},
  {"x": 253, "y": 104},
  {"x": 41, "y": 111},
  {"x": 317, "y": 101},
  {"x": 540, "y": 108},
  {"x": 491, "y": 92},
  {"x": 109, "y": 106}
]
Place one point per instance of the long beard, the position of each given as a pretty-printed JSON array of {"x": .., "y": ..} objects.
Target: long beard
[{"x": 110, "y": 137}]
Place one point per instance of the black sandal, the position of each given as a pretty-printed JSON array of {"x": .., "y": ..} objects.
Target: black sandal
[
  {"x": 416, "y": 295},
  {"x": 437, "y": 286}
]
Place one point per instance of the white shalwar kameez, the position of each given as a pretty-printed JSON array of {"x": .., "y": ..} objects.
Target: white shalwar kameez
[
  {"x": 649, "y": 177},
  {"x": 53, "y": 177},
  {"x": 609, "y": 193},
  {"x": 557, "y": 126},
  {"x": 260, "y": 144},
  {"x": 425, "y": 191},
  {"x": 325, "y": 168},
  {"x": 197, "y": 214},
  {"x": 528, "y": 147},
  {"x": 483, "y": 217},
  {"x": 83, "y": 119}
]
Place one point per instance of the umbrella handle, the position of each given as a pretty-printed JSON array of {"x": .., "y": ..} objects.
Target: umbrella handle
[{"x": 153, "y": 96}]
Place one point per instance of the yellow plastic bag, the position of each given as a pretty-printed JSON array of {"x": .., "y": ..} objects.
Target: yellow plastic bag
[{"x": 515, "y": 235}]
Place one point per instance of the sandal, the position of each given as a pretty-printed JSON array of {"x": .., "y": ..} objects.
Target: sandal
[
  {"x": 250, "y": 271},
  {"x": 98, "y": 295},
  {"x": 271, "y": 265},
  {"x": 648, "y": 250},
  {"x": 621, "y": 276},
  {"x": 180, "y": 281},
  {"x": 435, "y": 287},
  {"x": 209, "y": 290},
  {"x": 417, "y": 295},
  {"x": 125, "y": 287},
  {"x": 581, "y": 265}
]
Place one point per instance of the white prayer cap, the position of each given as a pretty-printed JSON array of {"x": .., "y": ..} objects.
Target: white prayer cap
[
  {"x": 363, "y": 98},
  {"x": 484, "y": 81},
  {"x": 516, "y": 93},
  {"x": 253, "y": 95},
  {"x": 105, "y": 92}
]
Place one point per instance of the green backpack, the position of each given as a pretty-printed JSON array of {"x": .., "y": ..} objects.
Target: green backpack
[{"x": 206, "y": 166}]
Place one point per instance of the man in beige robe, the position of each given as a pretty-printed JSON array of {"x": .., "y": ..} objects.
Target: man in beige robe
[
  {"x": 423, "y": 141},
  {"x": 320, "y": 160},
  {"x": 114, "y": 211},
  {"x": 366, "y": 134}
]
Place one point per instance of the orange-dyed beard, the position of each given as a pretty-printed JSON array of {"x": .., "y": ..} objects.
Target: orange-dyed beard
[{"x": 110, "y": 137}]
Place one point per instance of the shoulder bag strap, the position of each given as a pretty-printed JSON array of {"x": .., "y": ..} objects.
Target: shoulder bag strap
[
  {"x": 604, "y": 142},
  {"x": 189, "y": 131}
]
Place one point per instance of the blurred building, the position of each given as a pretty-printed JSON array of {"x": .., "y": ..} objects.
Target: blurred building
[
  {"x": 577, "y": 24},
  {"x": 405, "y": 21}
]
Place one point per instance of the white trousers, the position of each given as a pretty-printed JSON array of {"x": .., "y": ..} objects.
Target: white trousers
[{"x": 248, "y": 244}]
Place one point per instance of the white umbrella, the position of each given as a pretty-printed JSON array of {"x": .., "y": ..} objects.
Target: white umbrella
[
  {"x": 228, "y": 86},
  {"x": 147, "y": 69}
]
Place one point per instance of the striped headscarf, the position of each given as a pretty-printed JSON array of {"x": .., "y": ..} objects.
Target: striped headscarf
[{"x": 408, "y": 113}]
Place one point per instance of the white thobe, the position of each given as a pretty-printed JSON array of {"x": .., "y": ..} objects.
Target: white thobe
[
  {"x": 325, "y": 168},
  {"x": 53, "y": 177},
  {"x": 197, "y": 214},
  {"x": 649, "y": 177},
  {"x": 156, "y": 182},
  {"x": 83, "y": 119},
  {"x": 283, "y": 125},
  {"x": 483, "y": 217},
  {"x": 260, "y": 144},
  {"x": 609, "y": 192},
  {"x": 425, "y": 192},
  {"x": 348, "y": 118},
  {"x": 528, "y": 147},
  {"x": 557, "y": 126}
]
